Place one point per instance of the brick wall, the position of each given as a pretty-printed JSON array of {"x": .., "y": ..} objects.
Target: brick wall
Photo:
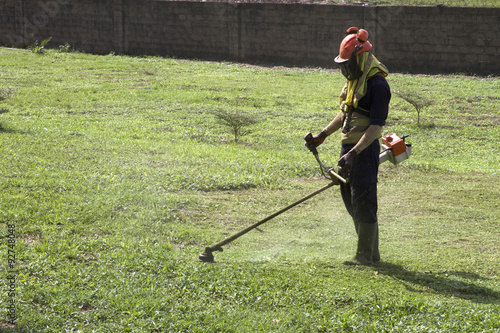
[
  {"x": 439, "y": 39},
  {"x": 87, "y": 24},
  {"x": 406, "y": 39}
]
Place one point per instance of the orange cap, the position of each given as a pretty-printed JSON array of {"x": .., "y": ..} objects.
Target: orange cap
[{"x": 349, "y": 44}]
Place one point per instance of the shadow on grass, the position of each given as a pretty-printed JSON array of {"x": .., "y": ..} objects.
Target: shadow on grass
[
  {"x": 11, "y": 131},
  {"x": 463, "y": 285}
]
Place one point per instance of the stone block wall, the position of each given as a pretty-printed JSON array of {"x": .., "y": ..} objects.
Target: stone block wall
[{"x": 410, "y": 39}]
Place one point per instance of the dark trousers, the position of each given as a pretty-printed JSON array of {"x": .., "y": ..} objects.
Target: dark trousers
[{"x": 360, "y": 193}]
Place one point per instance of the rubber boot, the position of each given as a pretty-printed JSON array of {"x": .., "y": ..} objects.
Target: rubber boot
[
  {"x": 376, "y": 253},
  {"x": 367, "y": 244},
  {"x": 356, "y": 226}
]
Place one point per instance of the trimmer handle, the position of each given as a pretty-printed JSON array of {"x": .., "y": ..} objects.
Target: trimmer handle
[
  {"x": 324, "y": 169},
  {"x": 308, "y": 138}
]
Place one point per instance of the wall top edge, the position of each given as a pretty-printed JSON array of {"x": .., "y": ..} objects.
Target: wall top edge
[{"x": 313, "y": 3}]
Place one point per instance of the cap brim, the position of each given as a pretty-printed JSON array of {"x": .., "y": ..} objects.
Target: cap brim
[{"x": 340, "y": 60}]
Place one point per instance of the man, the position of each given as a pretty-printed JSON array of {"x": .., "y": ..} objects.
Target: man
[{"x": 364, "y": 105}]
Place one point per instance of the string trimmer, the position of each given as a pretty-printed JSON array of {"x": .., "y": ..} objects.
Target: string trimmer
[{"x": 395, "y": 151}]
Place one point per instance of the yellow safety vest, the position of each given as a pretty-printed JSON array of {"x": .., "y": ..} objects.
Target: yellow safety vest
[{"x": 357, "y": 120}]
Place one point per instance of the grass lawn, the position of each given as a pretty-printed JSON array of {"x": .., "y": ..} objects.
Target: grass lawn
[{"x": 115, "y": 174}]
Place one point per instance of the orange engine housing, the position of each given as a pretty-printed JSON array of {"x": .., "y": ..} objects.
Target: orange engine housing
[{"x": 394, "y": 142}]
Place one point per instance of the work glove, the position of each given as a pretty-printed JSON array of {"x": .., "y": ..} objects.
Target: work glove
[
  {"x": 316, "y": 140},
  {"x": 345, "y": 163}
]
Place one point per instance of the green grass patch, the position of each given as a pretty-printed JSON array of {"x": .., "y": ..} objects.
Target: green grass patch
[{"x": 116, "y": 173}]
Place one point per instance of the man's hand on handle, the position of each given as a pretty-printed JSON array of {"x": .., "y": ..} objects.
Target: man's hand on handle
[
  {"x": 345, "y": 163},
  {"x": 314, "y": 141}
]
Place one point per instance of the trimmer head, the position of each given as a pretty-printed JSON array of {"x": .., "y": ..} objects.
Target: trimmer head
[{"x": 206, "y": 256}]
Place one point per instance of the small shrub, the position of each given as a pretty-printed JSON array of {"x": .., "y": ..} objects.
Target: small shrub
[
  {"x": 237, "y": 121},
  {"x": 39, "y": 48},
  {"x": 418, "y": 100},
  {"x": 66, "y": 48}
]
